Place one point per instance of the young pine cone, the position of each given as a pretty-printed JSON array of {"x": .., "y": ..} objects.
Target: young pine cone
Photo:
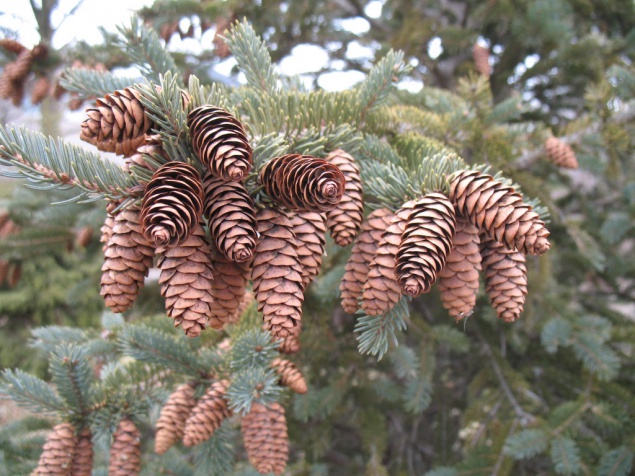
[
  {"x": 303, "y": 183},
  {"x": 186, "y": 284},
  {"x": 208, "y": 415},
  {"x": 277, "y": 274},
  {"x": 57, "y": 454},
  {"x": 358, "y": 265},
  {"x": 561, "y": 153},
  {"x": 505, "y": 279},
  {"x": 228, "y": 288},
  {"x": 128, "y": 258},
  {"x": 309, "y": 229},
  {"x": 171, "y": 423},
  {"x": 382, "y": 290},
  {"x": 219, "y": 140},
  {"x": 82, "y": 464},
  {"x": 264, "y": 432},
  {"x": 458, "y": 281},
  {"x": 425, "y": 244},
  {"x": 499, "y": 212},
  {"x": 125, "y": 451},
  {"x": 172, "y": 205},
  {"x": 290, "y": 375},
  {"x": 346, "y": 219},
  {"x": 232, "y": 219},
  {"x": 118, "y": 124}
]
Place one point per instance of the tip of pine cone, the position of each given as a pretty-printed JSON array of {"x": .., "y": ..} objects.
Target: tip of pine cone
[
  {"x": 242, "y": 255},
  {"x": 331, "y": 189},
  {"x": 160, "y": 236},
  {"x": 412, "y": 288},
  {"x": 542, "y": 246}
]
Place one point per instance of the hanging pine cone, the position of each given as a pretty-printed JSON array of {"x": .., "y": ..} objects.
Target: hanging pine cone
[
  {"x": 41, "y": 90},
  {"x": 458, "y": 281},
  {"x": 480, "y": 54},
  {"x": 381, "y": 290},
  {"x": 84, "y": 236},
  {"x": 118, "y": 123},
  {"x": 425, "y": 244},
  {"x": 125, "y": 451},
  {"x": 345, "y": 221},
  {"x": 277, "y": 274},
  {"x": 219, "y": 140},
  {"x": 290, "y": 345},
  {"x": 505, "y": 279},
  {"x": 309, "y": 230},
  {"x": 264, "y": 432},
  {"x": 358, "y": 265},
  {"x": 231, "y": 216},
  {"x": 12, "y": 46},
  {"x": 58, "y": 451},
  {"x": 207, "y": 415},
  {"x": 171, "y": 423},
  {"x": 128, "y": 258},
  {"x": 21, "y": 67},
  {"x": 561, "y": 153},
  {"x": 172, "y": 205},
  {"x": 248, "y": 299},
  {"x": 186, "y": 283},
  {"x": 153, "y": 146},
  {"x": 82, "y": 464},
  {"x": 499, "y": 212},
  {"x": 228, "y": 287},
  {"x": 290, "y": 375},
  {"x": 303, "y": 183}
]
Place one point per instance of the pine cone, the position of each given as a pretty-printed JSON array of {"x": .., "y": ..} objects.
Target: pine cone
[
  {"x": 172, "y": 205},
  {"x": 382, "y": 291},
  {"x": 425, "y": 244},
  {"x": 362, "y": 254},
  {"x": 499, "y": 212},
  {"x": 248, "y": 299},
  {"x": 480, "y": 54},
  {"x": 290, "y": 375},
  {"x": 219, "y": 140},
  {"x": 152, "y": 145},
  {"x": 265, "y": 435},
  {"x": 21, "y": 67},
  {"x": 41, "y": 90},
  {"x": 118, "y": 124},
  {"x": 207, "y": 415},
  {"x": 228, "y": 287},
  {"x": 561, "y": 153},
  {"x": 84, "y": 236},
  {"x": 346, "y": 219},
  {"x": 58, "y": 451},
  {"x": 231, "y": 216},
  {"x": 309, "y": 229},
  {"x": 82, "y": 464},
  {"x": 303, "y": 183},
  {"x": 12, "y": 46},
  {"x": 458, "y": 281},
  {"x": 277, "y": 274},
  {"x": 125, "y": 451},
  {"x": 186, "y": 283},
  {"x": 221, "y": 49},
  {"x": 128, "y": 258},
  {"x": 171, "y": 423},
  {"x": 505, "y": 279},
  {"x": 290, "y": 345}
]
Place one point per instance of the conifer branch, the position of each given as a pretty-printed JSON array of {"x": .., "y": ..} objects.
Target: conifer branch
[
  {"x": 375, "y": 333},
  {"x": 256, "y": 384},
  {"x": 72, "y": 374},
  {"x": 87, "y": 83},
  {"x": 30, "y": 392}
]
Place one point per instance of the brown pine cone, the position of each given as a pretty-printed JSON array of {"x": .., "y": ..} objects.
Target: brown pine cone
[
  {"x": 231, "y": 216},
  {"x": 4, "y": 270},
  {"x": 171, "y": 423},
  {"x": 21, "y": 67},
  {"x": 172, "y": 205},
  {"x": 505, "y": 279},
  {"x": 152, "y": 145},
  {"x": 303, "y": 183},
  {"x": 128, "y": 258},
  {"x": 58, "y": 451},
  {"x": 458, "y": 281},
  {"x": 346, "y": 219},
  {"x": 290, "y": 375},
  {"x": 82, "y": 464},
  {"x": 381, "y": 290},
  {"x": 12, "y": 46},
  {"x": 221, "y": 49},
  {"x": 265, "y": 435},
  {"x": 290, "y": 345},
  {"x": 358, "y": 265},
  {"x": 228, "y": 288},
  {"x": 207, "y": 415},
  {"x": 309, "y": 229},
  {"x": 480, "y": 54},
  {"x": 125, "y": 451},
  {"x": 425, "y": 244},
  {"x": 40, "y": 90},
  {"x": 499, "y": 212},
  {"x": 186, "y": 284},
  {"x": 561, "y": 153},
  {"x": 118, "y": 124},
  {"x": 277, "y": 274},
  {"x": 84, "y": 236},
  {"x": 219, "y": 140}
]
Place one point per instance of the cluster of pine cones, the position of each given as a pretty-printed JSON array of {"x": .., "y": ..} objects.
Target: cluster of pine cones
[{"x": 15, "y": 73}]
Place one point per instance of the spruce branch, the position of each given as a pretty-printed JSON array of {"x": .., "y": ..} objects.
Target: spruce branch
[
  {"x": 375, "y": 333},
  {"x": 251, "y": 349},
  {"x": 88, "y": 83},
  {"x": 256, "y": 384},
  {"x": 30, "y": 392},
  {"x": 217, "y": 454},
  {"x": 47, "y": 338},
  {"x": 72, "y": 375}
]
